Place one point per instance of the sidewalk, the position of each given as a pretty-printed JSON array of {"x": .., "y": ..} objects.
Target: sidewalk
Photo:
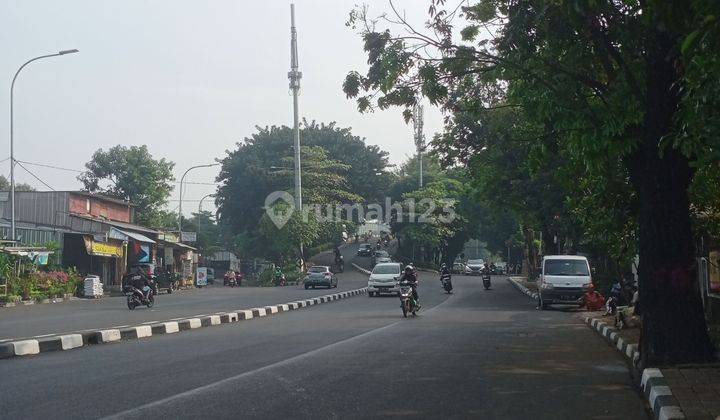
[{"x": 681, "y": 392}]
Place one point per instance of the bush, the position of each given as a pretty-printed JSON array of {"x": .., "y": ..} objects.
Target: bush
[
  {"x": 314, "y": 250},
  {"x": 266, "y": 278}
]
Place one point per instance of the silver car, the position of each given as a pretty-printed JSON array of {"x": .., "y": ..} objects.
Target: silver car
[
  {"x": 320, "y": 275},
  {"x": 384, "y": 279}
]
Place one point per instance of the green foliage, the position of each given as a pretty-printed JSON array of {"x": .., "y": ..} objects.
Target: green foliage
[
  {"x": 338, "y": 167},
  {"x": 5, "y": 185},
  {"x": 131, "y": 173}
]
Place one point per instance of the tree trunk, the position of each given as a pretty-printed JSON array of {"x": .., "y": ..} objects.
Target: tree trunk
[
  {"x": 532, "y": 257},
  {"x": 673, "y": 323}
]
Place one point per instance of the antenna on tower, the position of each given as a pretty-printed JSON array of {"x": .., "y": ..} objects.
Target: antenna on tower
[
  {"x": 419, "y": 136},
  {"x": 295, "y": 75}
]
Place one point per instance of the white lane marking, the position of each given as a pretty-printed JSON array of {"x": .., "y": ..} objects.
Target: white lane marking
[{"x": 223, "y": 382}]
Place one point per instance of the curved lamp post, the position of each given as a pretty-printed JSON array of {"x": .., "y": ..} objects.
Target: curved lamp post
[
  {"x": 12, "y": 138},
  {"x": 182, "y": 179}
]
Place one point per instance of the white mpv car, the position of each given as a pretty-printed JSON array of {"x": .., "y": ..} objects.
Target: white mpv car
[{"x": 384, "y": 279}]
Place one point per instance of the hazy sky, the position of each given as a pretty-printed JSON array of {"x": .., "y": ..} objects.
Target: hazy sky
[{"x": 187, "y": 78}]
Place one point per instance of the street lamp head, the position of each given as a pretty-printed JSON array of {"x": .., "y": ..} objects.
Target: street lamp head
[{"x": 63, "y": 52}]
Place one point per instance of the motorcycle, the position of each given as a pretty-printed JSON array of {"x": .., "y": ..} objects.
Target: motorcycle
[
  {"x": 137, "y": 297},
  {"x": 486, "y": 280},
  {"x": 446, "y": 281},
  {"x": 229, "y": 280},
  {"x": 340, "y": 263},
  {"x": 407, "y": 302}
]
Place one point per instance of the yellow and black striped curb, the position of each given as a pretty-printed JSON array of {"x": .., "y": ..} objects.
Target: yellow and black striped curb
[{"x": 103, "y": 336}]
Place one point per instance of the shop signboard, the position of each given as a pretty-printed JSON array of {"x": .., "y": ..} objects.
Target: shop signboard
[
  {"x": 103, "y": 249},
  {"x": 201, "y": 276},
  {"x": 189, "y": 236}
]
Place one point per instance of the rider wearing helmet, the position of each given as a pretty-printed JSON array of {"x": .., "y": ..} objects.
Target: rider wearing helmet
[
  {"x": 444, "y": 269},
  {"x": 410, "y": 277}
]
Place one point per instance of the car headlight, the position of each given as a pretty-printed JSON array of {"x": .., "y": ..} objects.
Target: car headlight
[{"x": 546, "y": 286}]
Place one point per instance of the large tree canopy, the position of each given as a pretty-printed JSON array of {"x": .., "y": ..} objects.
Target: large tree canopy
[
  {"x": 131, "y": 173},
  {"x": 337, "y": 168},
  {"x": 598, "y": 89}
]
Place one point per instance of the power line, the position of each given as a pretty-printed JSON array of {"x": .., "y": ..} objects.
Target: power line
[
  {"x": 34, "y": 176},
  {"x": 44, "y": 165},
  {"x": 60, "y": 168}
]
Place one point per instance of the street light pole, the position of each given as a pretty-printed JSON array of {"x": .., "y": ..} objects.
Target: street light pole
[
  {"x": 182, "y": 179},
  {"x": 200, "y": 210},
  {"x": 12, "y": 135}
]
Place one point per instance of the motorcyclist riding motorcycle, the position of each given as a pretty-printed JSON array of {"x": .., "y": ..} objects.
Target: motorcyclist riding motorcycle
[
  {"x": 410, "y": 277},
  {"x": 138, "y": 279},
  {"x": 444, "y": 269}
]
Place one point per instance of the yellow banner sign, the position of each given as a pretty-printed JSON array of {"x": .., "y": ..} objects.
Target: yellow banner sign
[{"x": 103, "y": 249}]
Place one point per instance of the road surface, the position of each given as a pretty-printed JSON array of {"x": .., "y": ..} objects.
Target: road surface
[
  {"x": 474, "y": 354},
  {"x": 77, "y": 315}
]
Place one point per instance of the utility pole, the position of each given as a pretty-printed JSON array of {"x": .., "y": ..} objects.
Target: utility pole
[
  {"x": 418, "y": 135},
  {"x": 295, "y": 75}
]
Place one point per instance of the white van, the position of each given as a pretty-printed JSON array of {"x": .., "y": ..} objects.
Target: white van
[{"x": 563, "y": 279}]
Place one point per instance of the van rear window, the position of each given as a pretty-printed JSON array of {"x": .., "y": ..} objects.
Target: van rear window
[{"x": 566, "y": 268}]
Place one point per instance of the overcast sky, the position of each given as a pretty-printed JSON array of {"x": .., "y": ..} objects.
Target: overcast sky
[{"x": 187, "y": 78}]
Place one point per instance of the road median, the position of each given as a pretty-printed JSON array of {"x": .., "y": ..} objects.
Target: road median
[{"x": 37, "y": 345}]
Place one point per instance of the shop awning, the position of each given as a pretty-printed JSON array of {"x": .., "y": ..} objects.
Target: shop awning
[{"x": 123, "y": 235}]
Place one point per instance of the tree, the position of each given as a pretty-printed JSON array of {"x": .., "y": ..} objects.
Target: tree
[
  {"x": 336, "y": 165},
  {"x": 597, "y": 79},
  {"x": 131, "y": 173},
  {"x": 5, "y": 185}
]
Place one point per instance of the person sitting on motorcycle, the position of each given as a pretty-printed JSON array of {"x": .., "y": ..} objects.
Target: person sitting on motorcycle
[
  {"x": 444, "y": 269},
  {"x": 410, "y": 277},
  {"x": 140, "y": 280},
  {"x": 279, "y": 276},
  {"x": 486, "y": 269}
]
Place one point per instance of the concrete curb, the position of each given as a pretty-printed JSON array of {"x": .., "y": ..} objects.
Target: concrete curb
[
  {"x": 360, "y": 269},
  {"x": 86, "y": 338},
  {"x": 523, "y": 289},
  {"x": 49, "y": 301},
  {"x": 653, "y": 384}
]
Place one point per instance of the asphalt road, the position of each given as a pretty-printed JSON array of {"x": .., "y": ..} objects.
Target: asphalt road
[
  {"x": 474, "y": 354},
  {"x": 77, "y": 315}
]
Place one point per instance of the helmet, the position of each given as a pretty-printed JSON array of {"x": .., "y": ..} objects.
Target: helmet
[
  {"x": 408, "y": 268},
  {"x": 443, "y": 265}
]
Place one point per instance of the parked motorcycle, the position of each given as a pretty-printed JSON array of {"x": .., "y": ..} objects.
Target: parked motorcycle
[
  {"x": 137, "y": 297},
  {"x": 407, "y": 302},
  {"x": 446, "y": 281}
]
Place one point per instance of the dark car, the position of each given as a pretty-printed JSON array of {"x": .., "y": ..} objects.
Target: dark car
[
  {"x": 365, "y": 250},
  {"x": 320, "y": 275}
]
